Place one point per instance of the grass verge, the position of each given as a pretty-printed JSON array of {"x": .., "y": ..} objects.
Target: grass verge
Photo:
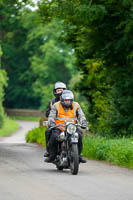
[
  {"x": 25, "y": 118},
  {"x": 115, "y": 151},
  {"x": 9, "y": 127}
]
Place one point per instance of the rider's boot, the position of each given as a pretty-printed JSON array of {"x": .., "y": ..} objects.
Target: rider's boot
[
  {"x": 51, "y": 158},
  {"x": 46, "y": 154},
  {"x": 81, "y": 159}
]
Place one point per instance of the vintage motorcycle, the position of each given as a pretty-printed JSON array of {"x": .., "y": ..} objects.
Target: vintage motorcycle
[{"x": 67, "y": 155}]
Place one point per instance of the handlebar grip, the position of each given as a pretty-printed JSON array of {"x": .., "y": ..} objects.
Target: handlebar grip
[{"x": 84, "y": 127}]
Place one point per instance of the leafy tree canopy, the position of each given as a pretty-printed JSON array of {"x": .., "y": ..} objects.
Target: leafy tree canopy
[
  {"x": 3, "y": 83},
  {"x": 34, "y": 56},
  {"x": 101, "y": 32},
  {"x": 53, "y": 61}
]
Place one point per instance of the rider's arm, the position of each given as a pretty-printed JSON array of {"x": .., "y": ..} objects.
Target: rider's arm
[
  {"x": 48, "y": 109},
  {"x": 81, "y": 116},
  {"x": 52, "y": 116}
]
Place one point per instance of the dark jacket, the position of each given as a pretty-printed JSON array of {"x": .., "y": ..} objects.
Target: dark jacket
[{"x": 49, "y": 106}]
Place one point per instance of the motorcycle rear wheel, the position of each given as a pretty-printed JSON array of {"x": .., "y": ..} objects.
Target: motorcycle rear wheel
[{"x": 74, "y": 161}]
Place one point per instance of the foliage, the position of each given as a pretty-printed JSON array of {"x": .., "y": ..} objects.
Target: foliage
[
  {"x": 36, "y": 135},
  {"x": 77, "y": 96},
  {"x": 3, "y": 83},
  {"x": 36, "y": 55},
  {"x": 116, "y": 151},
  {"x": 15, "y": 57},
  {"x": 33, "y": 56},
  {"x": 101, "y": 34},
  {"x": 25, "y": 118},
  {"x": 52, "y": 62},
  {"x": 8, "y": 127}
]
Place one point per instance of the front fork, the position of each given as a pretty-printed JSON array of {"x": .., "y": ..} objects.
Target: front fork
[{"x": 73, "y": 139}]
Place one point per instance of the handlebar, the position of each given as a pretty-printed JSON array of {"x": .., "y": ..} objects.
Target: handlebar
[
  {"x": 45, "y": 123},
  {"x": 56, "y": 126},
  {"x": 83, "y": 127}
]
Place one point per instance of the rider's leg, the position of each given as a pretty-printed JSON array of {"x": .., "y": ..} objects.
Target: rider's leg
[
  {"x": 80, "y": 143},
  {"x": 80, "y": 146},
  {"x": 47, "y": 137},
  {"x": 53, "y": 144}
]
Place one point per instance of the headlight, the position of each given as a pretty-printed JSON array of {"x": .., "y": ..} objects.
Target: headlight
[{"x": 71, "y": 128}]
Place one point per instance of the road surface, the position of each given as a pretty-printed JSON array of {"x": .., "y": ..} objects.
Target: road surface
[{"x": 25, "y": 176}]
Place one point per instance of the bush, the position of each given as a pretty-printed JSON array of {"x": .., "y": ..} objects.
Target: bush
[
  {"x": 36, "y": 135},
  {"x": 9, "y": 126},
  {"x": 2, "y": 84},
  {"x": 116, "y": 151}
]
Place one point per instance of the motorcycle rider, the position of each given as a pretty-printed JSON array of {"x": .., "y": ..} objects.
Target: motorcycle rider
[
  {"x": 66, "y": 108},
  {"x": 57, "y": 91}
]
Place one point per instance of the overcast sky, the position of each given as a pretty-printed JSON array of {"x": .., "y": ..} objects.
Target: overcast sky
[{"x": 33, "y": 8}]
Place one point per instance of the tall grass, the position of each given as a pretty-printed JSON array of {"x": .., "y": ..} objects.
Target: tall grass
[
  {"x": 9, "y": 127},
  {"x": 115, "y": 151},
  {"x": 36, "y": 135},
  {"x": 27, "y": 118}
]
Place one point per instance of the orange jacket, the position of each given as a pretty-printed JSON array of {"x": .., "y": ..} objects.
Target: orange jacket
[{"x": 62, "y": 116}]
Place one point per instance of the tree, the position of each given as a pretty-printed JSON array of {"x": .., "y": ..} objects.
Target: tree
[
  {"x": 101, "y": 32},
  {"x": 52, "y": 62},
  {"x": 15, "y": 58},
  {"x": 33, "y": 56},
  {"x": 3, "y": 80}
]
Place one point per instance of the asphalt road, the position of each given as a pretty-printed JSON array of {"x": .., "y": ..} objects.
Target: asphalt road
[{"x": 25, "y": 176}]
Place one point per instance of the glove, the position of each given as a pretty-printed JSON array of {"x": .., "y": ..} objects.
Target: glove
[
  {"x": 83, "y": 127},
  {"x": 84, "y": 124}
]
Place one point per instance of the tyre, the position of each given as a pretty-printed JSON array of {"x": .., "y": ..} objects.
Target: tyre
[
  {"x": 59, "y": 168},
  {"x": 74, "y": 161}
]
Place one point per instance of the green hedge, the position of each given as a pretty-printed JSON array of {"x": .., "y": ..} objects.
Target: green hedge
[
  {"x": 115, "y": 151},
  {"x": 9, "y": 126},
  {"x": 36, "y": 135},
  {"x": 3, "y": 83}
]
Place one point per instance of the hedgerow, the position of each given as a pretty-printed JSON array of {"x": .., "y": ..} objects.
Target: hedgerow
[
  {"x": 115, "y": 151},
  {"x": 36, "y": 135}
]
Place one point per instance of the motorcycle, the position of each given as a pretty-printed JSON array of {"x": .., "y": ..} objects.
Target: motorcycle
[{"x": 67, "y": 154}]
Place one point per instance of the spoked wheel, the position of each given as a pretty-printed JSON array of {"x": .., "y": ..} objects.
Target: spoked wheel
[{"x": 74, "y": 161}]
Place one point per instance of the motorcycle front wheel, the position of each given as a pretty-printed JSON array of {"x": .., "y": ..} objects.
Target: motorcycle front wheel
[
  {"x": 74, "y": 161},
  {"x": 60, "y": 168}
]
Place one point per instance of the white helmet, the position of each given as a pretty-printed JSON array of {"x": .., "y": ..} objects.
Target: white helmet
[{"x": 58, "y": 85}]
